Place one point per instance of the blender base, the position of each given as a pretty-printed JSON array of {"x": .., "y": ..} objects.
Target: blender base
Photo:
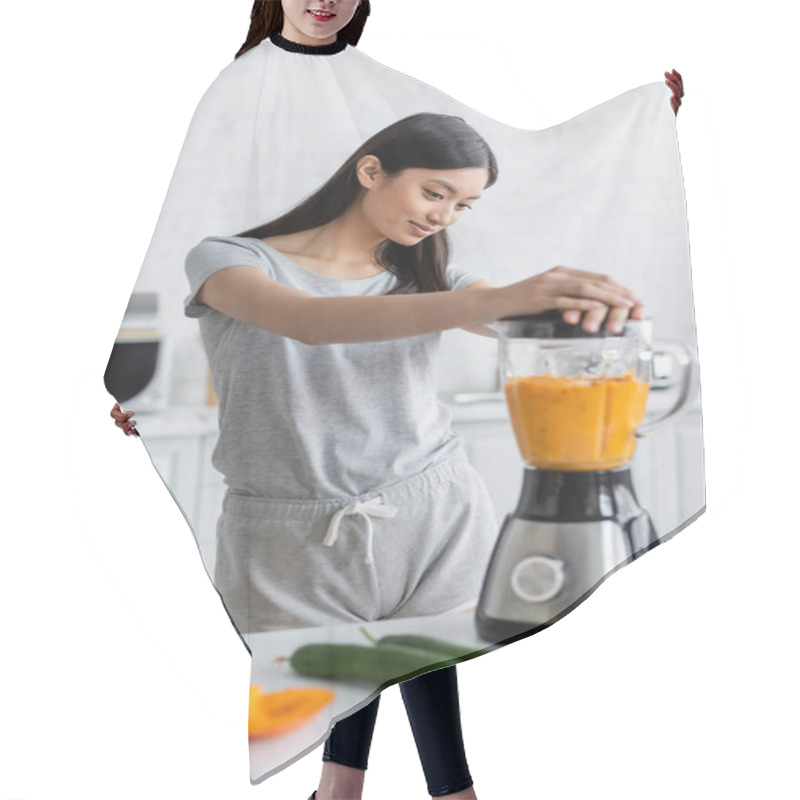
[{"x": 569, "y": 532}]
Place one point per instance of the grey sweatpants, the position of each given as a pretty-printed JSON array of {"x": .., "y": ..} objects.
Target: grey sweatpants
[{"x": 418, "y": 547}]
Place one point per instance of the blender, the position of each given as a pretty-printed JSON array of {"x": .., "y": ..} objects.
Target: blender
[{"x": 577, "y": 402}]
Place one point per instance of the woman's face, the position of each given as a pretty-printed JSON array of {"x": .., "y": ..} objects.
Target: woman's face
[
  {"x": 316, "y": 22},
  {"x": 416, "y": 203}
]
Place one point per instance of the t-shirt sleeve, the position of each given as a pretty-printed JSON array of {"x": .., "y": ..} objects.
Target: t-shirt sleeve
[
  {"x": 458, "y": 278},
  {"x": 213, "y": 254}
]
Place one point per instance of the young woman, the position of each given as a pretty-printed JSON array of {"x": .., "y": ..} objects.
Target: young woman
[{"x": 321, "y": 329}]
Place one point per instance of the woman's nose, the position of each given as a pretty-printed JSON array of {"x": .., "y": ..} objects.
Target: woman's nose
[{"x": 442, "y": 217}]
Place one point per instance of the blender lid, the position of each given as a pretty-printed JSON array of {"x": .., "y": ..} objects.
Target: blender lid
[{"x": 551, "y": 325}]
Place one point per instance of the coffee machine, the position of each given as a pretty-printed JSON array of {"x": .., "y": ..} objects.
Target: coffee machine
[{"x": 577, "y": 402}]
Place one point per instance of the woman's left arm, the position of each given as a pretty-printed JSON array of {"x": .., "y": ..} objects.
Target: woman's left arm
[{"x": 483, "y": 330}]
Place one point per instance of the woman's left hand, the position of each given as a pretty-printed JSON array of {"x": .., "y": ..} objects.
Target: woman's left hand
[{"x": 675, "y": 82}]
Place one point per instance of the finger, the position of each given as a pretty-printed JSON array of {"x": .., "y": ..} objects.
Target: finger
[
  {"x": 593, "y": 319},
  {"x": 605, "y": 281},
  {"x": 613, "y": 319},
  {"x": 573, "y": 316},
  {"x": 675, "y": 78},
  {"x": 564, "y": 303},
  {"x": 608, "y": 293},
  {"x": 676, "y": 90},
  {"x": 617, "y": 317}
]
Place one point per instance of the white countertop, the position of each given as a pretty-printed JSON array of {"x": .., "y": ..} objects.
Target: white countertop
[{"x": 271, "y": 670}]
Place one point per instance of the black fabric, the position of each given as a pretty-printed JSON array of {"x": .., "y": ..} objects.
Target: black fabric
[
  {"x": 350, "y": 739},
  {"x": 308, "y": 49},
  {"x": 434, "y": 713}
]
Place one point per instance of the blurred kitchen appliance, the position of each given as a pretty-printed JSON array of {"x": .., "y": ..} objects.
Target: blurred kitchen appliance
[
  {"x": 137, "y": 375},
  {"x": 577, "y": 402}
]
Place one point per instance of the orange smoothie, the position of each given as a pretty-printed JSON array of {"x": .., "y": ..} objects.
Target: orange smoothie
[{"x": 576, "y": 424}]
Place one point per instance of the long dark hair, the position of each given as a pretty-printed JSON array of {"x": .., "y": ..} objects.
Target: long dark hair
[
  {"x": 266, "y": 18},
  {"x": 421, "y": 141}
]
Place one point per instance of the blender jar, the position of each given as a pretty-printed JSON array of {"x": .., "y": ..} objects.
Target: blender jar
[{"x": 577, "y": 400}]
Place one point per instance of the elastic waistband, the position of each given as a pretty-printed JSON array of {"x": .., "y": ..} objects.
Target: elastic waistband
[{"x": 430, "y": 479}]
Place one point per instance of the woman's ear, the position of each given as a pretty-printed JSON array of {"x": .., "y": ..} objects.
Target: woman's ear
[{"x": 368, "y": 171}]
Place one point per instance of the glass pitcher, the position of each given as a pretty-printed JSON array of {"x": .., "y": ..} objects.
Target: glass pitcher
[{"x": 577, "y": 400}]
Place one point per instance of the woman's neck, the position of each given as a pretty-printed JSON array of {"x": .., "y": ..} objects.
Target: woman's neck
[{"x": 348, "y": 241}]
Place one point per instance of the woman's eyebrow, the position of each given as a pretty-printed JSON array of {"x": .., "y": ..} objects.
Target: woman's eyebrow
[{"x": 452, "y": 188}]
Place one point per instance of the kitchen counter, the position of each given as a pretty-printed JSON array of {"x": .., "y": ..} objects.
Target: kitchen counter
[{"x": 271, "y": 670}]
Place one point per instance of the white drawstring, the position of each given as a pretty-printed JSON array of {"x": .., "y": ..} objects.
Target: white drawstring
[{"x": 374, "y": 507}]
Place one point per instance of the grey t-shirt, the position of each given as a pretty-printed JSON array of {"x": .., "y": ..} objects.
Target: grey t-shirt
[{"x": 316, "y": 421}]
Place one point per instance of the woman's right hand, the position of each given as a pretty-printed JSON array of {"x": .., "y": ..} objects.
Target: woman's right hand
[
  {"x": 574, "y": 292},
  {"x": 123, "y": 419}
]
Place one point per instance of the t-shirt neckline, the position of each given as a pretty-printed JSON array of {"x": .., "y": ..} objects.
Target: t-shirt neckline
[{"x": 305, "y": 271}]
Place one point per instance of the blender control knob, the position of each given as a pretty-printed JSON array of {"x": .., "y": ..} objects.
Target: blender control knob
[{"x": 538, "y": 578}]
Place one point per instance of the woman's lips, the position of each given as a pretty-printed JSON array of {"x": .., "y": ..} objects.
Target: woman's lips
[
  {"x": 421, "y": 230},
  {"x": 323, "y": 16}
]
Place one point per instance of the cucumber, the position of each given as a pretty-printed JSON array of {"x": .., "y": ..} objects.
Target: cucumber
[
  {"x": 357, "y": 662},
  {"x": 435, "y": 646}
]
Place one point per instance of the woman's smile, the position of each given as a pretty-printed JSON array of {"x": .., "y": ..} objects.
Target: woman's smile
[
  {"x": 322, "y": 16},
  {"x": 421, "y": 230}
]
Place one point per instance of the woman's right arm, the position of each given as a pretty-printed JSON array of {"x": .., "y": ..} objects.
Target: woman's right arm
[{"x": 245, "y": 293}]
